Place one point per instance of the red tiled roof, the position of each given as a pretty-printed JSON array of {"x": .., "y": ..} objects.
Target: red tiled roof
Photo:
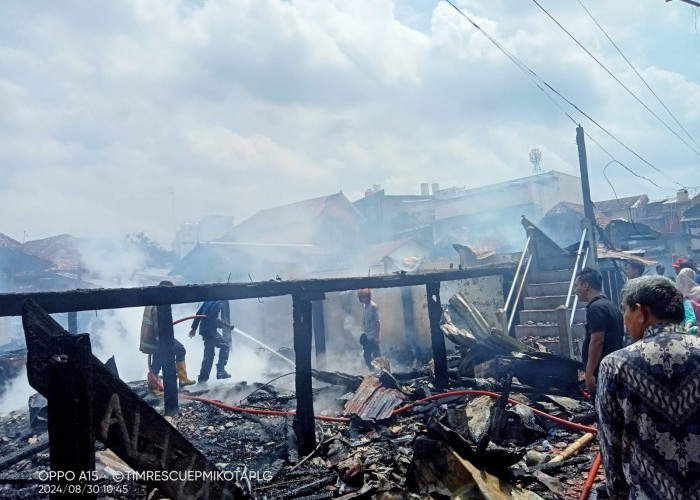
[
  {"x": 7, "y": 242},
  {"x": 61, "y": 250},
  {"x": 620, "y": 203},
  {"x": 566, "y": 207},
  {"x": 296, "y": 223}
]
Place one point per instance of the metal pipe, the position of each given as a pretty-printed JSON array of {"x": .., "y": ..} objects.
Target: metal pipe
[
  {"x": 520, "y": 289},
  {"x": 573, "y": 274},
  {"x": 573, "y": 307},
  {"x": 517, "y": 272}
]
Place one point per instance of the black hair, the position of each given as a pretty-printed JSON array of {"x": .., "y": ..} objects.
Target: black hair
[
  {"x": 658, "y": 294},
  {"x": 590, "y": 276},
  {"x": 689, "y": 264},
  {"x": 635, "y": 264}
]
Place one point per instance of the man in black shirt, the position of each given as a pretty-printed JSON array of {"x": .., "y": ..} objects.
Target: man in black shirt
[{"x": 604, "y": 324}]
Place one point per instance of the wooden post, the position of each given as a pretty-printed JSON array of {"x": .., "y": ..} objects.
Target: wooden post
[
  {"x": 121, "y": 420},
  {"x": 319, "y": 327},
  {"x": 436, "y": 337},
  {"x": 304, "y": 419},
  {"x": 166, "y": 337},
  {"x": 587, "y": 202},
  {"x": 566, "y": 340},
  {"x": 226, "y": 318},
  {"x": 71, "y": 438},
  {"x": 409, "y": 323}
]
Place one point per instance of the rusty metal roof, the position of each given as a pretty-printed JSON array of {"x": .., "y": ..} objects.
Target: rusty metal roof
[{"x": 373, "y": 401}]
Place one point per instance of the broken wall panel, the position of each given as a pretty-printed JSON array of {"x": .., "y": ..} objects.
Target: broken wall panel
[{"x": 485, "y": 293}]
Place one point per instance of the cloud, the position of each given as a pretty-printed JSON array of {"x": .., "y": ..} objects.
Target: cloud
[{"x": 141, "y": 115}]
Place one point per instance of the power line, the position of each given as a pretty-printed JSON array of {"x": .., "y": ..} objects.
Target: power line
[
  {"x": 615, "y": 78},
  {"x": 539, "y": 80},
  {"x": 638, "y": 74}
]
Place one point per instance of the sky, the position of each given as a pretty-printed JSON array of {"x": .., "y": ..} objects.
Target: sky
[{"x": 141, "y": 115}]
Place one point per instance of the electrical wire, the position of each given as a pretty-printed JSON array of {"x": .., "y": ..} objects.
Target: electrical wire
[
  {"x": 638, "y": 74},
  {"x": 615, "y": 78},
  {"x": 539, "y": 81}
]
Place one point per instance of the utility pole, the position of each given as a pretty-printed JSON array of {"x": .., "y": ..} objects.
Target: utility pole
[{"x": 587, "y": 203}]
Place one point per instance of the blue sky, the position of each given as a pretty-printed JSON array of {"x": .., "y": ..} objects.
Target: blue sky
[{"x": 140, "y": 115}]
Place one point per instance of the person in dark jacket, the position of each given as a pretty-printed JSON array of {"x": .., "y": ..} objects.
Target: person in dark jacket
[
  {"x": 208, "y": 326},
  {"x": 604, "y": 325}
]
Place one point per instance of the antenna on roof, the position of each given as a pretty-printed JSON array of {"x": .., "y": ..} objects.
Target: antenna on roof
[{"x": 536, "y": 159}]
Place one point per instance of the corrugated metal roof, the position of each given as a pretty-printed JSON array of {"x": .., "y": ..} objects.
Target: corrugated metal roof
[{"x": 373, "y": 401}]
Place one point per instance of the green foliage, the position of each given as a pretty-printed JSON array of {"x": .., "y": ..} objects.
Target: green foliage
[{"x": 156, "y": 255}]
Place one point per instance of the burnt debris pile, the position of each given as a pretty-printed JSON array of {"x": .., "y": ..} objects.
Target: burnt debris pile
[{"x": 511, "y": 423}]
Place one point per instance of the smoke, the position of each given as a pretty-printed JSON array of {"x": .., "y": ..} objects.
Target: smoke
[
  {"x": 117, "y": 333},
  {"x": 110, "y": 260},
  {"x": 17, "y": 393}
]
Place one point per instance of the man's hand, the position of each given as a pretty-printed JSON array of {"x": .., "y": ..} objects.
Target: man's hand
[
  {"x": 590, "y": 382},
  {"x": 192, "y": 333}
]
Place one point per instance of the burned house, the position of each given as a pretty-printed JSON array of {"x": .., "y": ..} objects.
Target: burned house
[
  {"x": 31, "y": 267},
  {"x": 443, "y": 217},
  {"x": 563, "y": 222}
]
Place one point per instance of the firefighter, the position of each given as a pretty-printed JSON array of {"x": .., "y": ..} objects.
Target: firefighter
[
  {"x": 212, "y": 339},
  {"x": 150, "y": 344}
]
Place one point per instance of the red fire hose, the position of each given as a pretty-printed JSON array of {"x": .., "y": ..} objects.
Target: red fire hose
[
  {"x": 566, "y": 423},
  {"x": 588, "y": 485},
  {"x": 188, "y": 317}
]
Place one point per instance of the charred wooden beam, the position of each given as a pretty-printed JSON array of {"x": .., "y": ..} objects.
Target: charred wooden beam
[
  {"x": 71, "y": 438},
  {"x": 304, "y": 418},
  {"x": 10, "y": 459},
  {"x": 352, "y": 382},
  {"x": 116, "y": 298},
  {"x": 319, "y": 327},
  {"x": 409, "y": 322},
  {"x": 436, "y": 337},
  {"x": 121, "y": 420},
  {"x": 166, "y": 337}
]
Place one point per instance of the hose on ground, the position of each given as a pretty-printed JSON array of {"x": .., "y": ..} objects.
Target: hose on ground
[
  {"x": 588, "y": 485},
  {"x": 566, "y": 423}
]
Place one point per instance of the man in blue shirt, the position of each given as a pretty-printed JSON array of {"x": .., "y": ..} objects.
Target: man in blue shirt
[{"x": 212, "y": 339}]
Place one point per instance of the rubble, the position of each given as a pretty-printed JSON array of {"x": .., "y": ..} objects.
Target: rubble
[{"x": 492, "y": 435}]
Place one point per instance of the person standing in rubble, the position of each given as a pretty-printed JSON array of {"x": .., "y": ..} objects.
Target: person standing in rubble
[
  {"x": 634, "y": 269},
  {"x": 648, "y": 404},
  {"x": 150, "y": 344},
  {"x": 604, "y": 325},
  {"x": 208, "y": 326},
  {"x": 370, "y": 324}
]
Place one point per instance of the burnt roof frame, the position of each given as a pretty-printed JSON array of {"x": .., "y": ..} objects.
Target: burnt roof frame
[{"x": 117, "y": 298}]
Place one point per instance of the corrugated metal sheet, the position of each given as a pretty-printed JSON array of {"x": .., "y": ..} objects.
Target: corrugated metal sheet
[{"x": 373, "y": 401}]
